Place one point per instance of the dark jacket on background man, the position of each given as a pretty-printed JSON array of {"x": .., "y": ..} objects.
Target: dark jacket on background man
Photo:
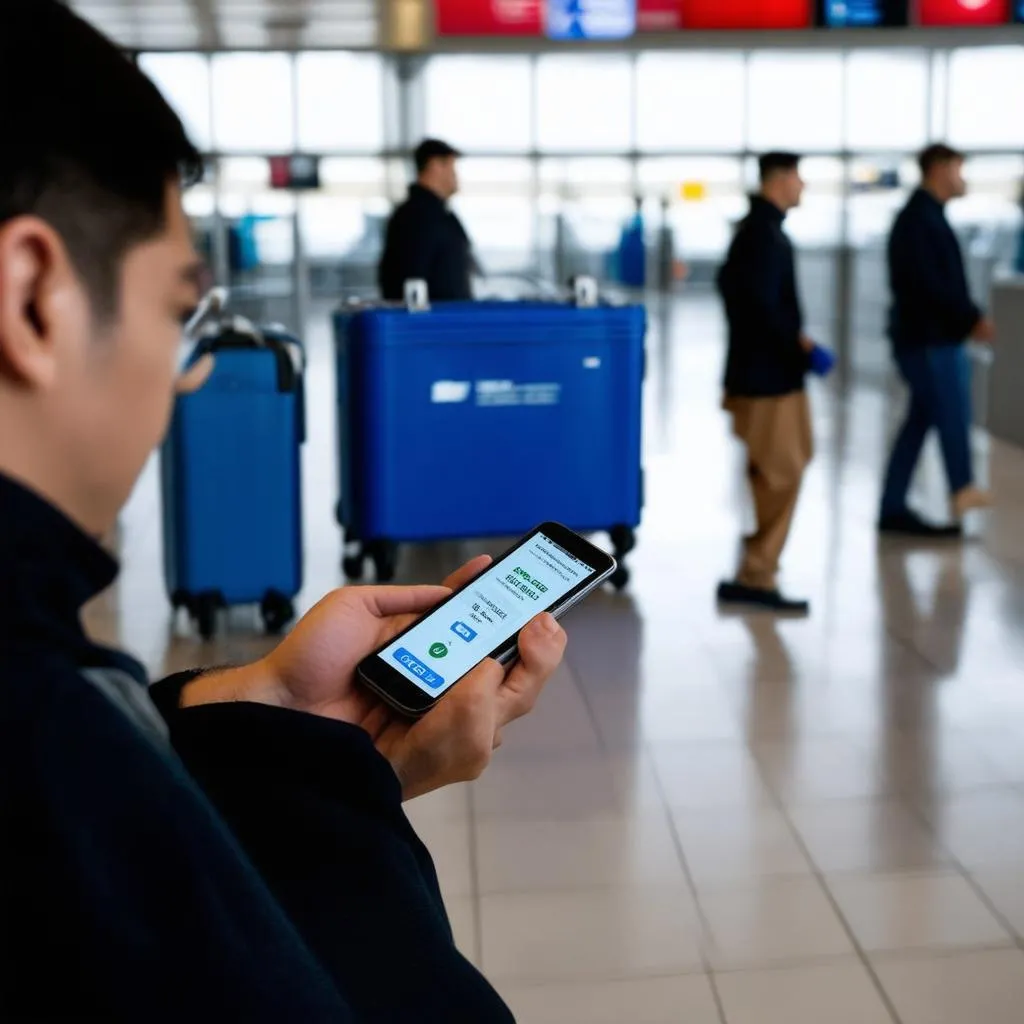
[
  {"x": 931, "y": 301},
  {"x": 758, "y": 285},
  {"x": 232, "y": 862},
  {"x": 426, "y": 241}
]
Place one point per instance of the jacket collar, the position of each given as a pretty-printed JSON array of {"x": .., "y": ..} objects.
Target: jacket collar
[
  {"x": 766, "y": 208},
  {"x": 49, "y": 569},
  {"x": 418, "y": 192},
  {"x": 924, "y": 196}
]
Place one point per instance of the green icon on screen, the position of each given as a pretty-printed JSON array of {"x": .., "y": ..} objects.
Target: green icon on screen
[{"x": 438, "y": 650}]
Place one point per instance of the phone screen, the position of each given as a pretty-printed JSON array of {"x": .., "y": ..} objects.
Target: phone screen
[{"x": 437, "y": 652}]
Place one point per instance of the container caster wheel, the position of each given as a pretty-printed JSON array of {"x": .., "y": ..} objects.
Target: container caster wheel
[
  {"x": 353, "y": 566},
  {"x": 204, "y": 611},
  {"x": 620, "y": 578},
  {"x": 623, "y": 540},
  {"x": 384, "y": 555},
  {"x": 277, "y": 612}
]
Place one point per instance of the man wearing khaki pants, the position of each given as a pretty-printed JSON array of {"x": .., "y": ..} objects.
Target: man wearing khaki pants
[{"x": 769, "y": 356}]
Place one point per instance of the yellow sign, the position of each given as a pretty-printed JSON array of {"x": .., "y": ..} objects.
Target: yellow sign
[{"x": 693, "y": 191}]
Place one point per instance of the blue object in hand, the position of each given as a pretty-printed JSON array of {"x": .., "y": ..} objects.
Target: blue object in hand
[{"x": 822, "y": 361}]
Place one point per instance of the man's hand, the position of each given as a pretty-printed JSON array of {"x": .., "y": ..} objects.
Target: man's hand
[
  {"x": 984, "y": 331},
  {"x": 807, "y": 344},
  {"x": 313, "y": 670}
]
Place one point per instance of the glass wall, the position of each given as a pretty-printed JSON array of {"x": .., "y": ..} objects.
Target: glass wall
[{"x": 562, "y": 149}]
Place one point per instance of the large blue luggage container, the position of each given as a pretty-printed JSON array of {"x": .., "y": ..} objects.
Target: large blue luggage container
[
  {"x": 484, "y": 419},
  {"x": 231, "y": 474}
]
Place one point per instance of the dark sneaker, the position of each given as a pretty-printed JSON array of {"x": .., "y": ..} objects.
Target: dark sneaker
[
  {"x": 758, "y": 597},
  {"x": 909, "y": 524}
]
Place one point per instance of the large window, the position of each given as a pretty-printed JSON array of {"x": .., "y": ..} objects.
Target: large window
[
  {"x": 184, "y": 80},
  {"x": 887, "y": 100},
  {"x": 584, "y": 103},
  {"x": 690, "y": 101},
  {"x": 480, "y": 103},
  {"x": 253, "y": 102},
  {"x": 795, "y": 101},
  {"x": 985, "y": 88},
  {"x": 340, "y": 102}
]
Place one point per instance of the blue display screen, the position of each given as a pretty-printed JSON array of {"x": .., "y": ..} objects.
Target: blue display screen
[
  {"x": 590, "y": 19},
  {"x": 864, "y": 13}
]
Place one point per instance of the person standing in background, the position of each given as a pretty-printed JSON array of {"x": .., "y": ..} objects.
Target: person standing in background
[
  {"x": 769, "y": 356},
  {"x": 425, "y": 240},
  {"x": 932, "y": 316}
]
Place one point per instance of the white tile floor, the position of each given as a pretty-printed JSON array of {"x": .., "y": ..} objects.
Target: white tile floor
[{"x": 722, "y": 819}]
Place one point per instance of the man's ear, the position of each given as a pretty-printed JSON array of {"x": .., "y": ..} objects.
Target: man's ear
[{"x": 37, "y": 288}]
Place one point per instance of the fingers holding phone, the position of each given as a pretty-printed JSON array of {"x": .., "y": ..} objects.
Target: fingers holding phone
[{"x": 455, "y": 742}]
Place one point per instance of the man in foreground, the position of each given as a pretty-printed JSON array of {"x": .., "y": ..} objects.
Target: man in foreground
[
  {"x": 764, "y": 379},
  {"x": 230, "y": 846},
  {"x": 932, "y": 317},
  {"x": 425, "y": 240}
]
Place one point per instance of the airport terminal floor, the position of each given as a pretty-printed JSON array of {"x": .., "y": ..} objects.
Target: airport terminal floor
[{"x": 714, "y": 817}]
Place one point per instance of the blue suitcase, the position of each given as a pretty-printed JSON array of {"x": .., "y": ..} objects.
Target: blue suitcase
[
  {"x": 231, "y": 475},
  {"x": 484, "y": 419}
]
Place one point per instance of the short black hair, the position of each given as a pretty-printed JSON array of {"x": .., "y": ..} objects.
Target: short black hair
[
  {"x": 89, "y": 143},
  {"x": 937, "y": 153},
  {"x": 769, "y": 163},
  {"x": 432, "y": 149}
]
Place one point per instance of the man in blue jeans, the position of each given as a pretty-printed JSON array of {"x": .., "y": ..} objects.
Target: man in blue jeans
[{"x": 932, "y": 317}]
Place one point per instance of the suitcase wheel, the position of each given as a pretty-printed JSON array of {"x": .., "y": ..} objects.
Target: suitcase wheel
[
  {"x": 353, "y": 566},
  {"x": 620, "y": 578},
  {"x": 384, "y": 555},
  {"x": 204, "y": 612},
  {"x": 277, "y": 611},
  {"x": 623, "y": 539}
]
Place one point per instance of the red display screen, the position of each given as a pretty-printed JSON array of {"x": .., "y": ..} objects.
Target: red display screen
[
  {"x": 964, "y": 12},
  {"x": 658, "y": 16},
  {"x": 745, "y": 14},
  {"x": 526, "y": 17},
  {"x": 490, "y": 17}
]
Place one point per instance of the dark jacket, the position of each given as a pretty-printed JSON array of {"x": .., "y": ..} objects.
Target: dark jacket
[
  {"x": 758, "y": 286},
  {"x": 931, "y": 302},
  {"x": 425, "y": 240},
  {"x": 226, "y": 863}
]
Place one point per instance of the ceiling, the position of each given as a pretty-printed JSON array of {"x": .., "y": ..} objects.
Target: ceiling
[{"x": 234, "y": 24}]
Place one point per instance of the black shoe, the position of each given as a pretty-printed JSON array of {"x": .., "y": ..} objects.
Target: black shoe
[
  {"x": 909, "y": 524},
  {"x": 759, "y": 597}
]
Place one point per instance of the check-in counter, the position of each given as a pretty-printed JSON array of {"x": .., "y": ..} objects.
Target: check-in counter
[{"x": 1005, "y": 390}]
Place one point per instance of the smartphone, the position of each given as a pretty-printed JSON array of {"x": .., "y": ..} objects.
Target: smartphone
[{"x": 549, "y": 570}]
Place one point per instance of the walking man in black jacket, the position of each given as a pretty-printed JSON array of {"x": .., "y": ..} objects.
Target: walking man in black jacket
[
  {"x": 231, "y": 845},
  {"x": 932, "y": 317},
  {"x": 425, "y": 240},
  {"x": 764, "y": 378}
]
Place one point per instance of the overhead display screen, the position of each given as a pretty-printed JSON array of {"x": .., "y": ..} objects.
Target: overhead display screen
[
  {"x": 490, "y": 17},
  {"x": 619, "y": 19},
  {"x": 663, "y": 15},
  {"x": 863, "y": 13},
  {"x": 745, "y": 14},
  {"x": 591, "y": 19},
  {"x": 558, "y": 19},
  {"x": 964, "y": 12}
]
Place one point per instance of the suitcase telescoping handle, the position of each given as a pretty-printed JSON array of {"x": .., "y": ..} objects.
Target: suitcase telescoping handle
[
  {"x": 212, "y": 304},
  {"x": 585, "y": 292},
  {"x": 417, "y": 295}
]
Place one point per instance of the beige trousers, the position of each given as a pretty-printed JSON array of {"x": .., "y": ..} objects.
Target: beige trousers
[{"x": 778, "y": 438}]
